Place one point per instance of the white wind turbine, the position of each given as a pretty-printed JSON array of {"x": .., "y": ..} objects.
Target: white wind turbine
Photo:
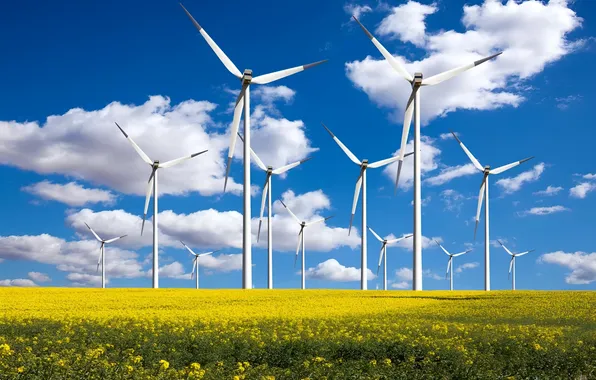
[
  {"x": 383, "y": 254},
  {"x": 361, "y": 183},
  {"x": 152, "y": 188},
  {"x": 450, "y": 263},
  {"x": 413, "y": 107},
  {"x": 243, "y": 101},
  {"x": 267, "y": 190},
  {"x": 303, "y": 225},
  {"x": 484, "y": 193},
  {"x": 512, "y": 262},
  {"x": 102, "y": 258},
  {"x": 195, "y": 261}
]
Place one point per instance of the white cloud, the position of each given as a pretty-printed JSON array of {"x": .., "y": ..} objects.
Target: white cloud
[
  {"x": 72, "y": 193},
  {"x": 545, "y": 210},
  {"x": 430, "y": 274},
  {"x": 332, "y": 270},
  {"x": 447, "y": 136},
  {"x": 563, "y": 103},
  {"x": 39, "y": 277},
  {"x": 452, "y": 199},
  {"x": 461, "y": 268},
  {"x": 222, "y": 262},
  {"x": 23, "y": 282},
  {"x": 428, "y": 162},
  {"x": 85, "y": 279},
  {"x": 581, "y": 191},
  {"x": 495, "y": 243},
  {"x": 408, "y": 243},
  {"x": 451, "y": 172},
  {"x": 549, "y": 191},
  {"x": 356, "y": 10},
  {"x": 512, "y": 184},
  {"x": 404, "y": 274},
  {"x": 581, "y": 264},
  {"x": 401, "y": 285},
  {"x": 589, "y": 176},
  {"x": 74, "y": 144},
  {"x": 532, "y": 34},
  {"x": 172, "y": 270},
  {"x": 406, "y": 22}
]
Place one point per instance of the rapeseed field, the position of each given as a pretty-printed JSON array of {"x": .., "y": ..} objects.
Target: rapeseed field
[{"x": 53, "y": 333}]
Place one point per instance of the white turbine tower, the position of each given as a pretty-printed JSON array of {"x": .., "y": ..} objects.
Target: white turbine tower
[
  {"x": 195, "y": 261},
  {"x": 361, "y": 182},
  {"x": 267, "y": 191},
  {"x": 383, "y": 254},
  {"x": 512, "y": 262},
  {"x": 413, "y": 107},
  {"x": 243, "y": 101},
  {"x": 152, "y": 187},
  {"x": 450, "y": 263},
  {"x": 303, "y": 225},
  {"x": 484, "y": 193},
  {"x": 102, "y": 258}
]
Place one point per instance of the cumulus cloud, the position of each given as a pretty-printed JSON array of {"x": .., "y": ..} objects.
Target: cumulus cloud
[
  {"x": 452, "y": 200},
  {"x": 39, "y": 277},
  {"x": 451, "y": 172},
  {"x": 549, "y": 191},
  {"x": 581, "y": 190},
  {"x": 222, "y": 262},
  {"x": 531, "y": 34},
  {"x": 332, "y": 270},
  {"x": 545, "y": 210},
  {"x": 356, "y": 10},
  {"x": 429, "y": 161},
  {"x": 513, "y": 184},
  {"x": 463, "y": 267},
  {"x": 404, "y": 274},
  {"x": 406, "y": 22},
  {"x": 401, "y": 285},
  {"x": 581, "y": 264},
  {"x": 72, "y": 193},
  {"x": 23, "y": 282}
]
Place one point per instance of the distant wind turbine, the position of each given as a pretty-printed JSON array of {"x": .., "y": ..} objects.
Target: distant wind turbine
[
  {"x": 102, "y": 258},
  {"x": 512, "y": 263},
  {"x": 267, "y": 191},
  {"x": 361, "y": 183},
  {"x": 195, "y": 261},
  {"x": 413, "y": 107},
  {"x": 484, "y": 193},
  {"x": 450, "y": 262},
  {"x": 383, "y": 254},
  {"x": 243, "y": 100},
  {"x": 303, "y": 225},
  {"x": 152, "y": 188}
]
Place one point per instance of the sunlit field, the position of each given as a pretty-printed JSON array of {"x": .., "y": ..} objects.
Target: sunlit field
[{"x": 290, "y": 334}]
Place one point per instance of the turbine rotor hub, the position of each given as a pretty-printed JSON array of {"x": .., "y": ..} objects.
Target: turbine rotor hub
[
  {"x": 246, "y": 76},
  {"x": 487, "y": 169},
  {"x": 155, "y": 163},
  {"x": 417, "y": 79}
]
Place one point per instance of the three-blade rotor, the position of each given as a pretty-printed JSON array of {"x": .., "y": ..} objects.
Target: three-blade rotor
[
  {"x": 103, "y": 243},
  {"x": 384, "y": 243},
  {"x": 451, "y": 256}
]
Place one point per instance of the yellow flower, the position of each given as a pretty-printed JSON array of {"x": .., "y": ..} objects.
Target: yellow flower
[
  {"x": 129, "y": 368},
  {"x": 387, "y": 361},
  {"x": 164, "y": 364},
  {"x": 195, "y": 366},
  {"x": 21, "y": 369}
]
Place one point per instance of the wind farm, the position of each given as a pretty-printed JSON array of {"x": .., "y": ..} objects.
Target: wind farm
[{"x": 254, "y": 260}]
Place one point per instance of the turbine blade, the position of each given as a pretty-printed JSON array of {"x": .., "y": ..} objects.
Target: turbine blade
[
  {"x": 207, "y": 253},
  {"x": 114, "y": 239},
  {"x": 468, "y": 153},
  {"x": 194, "y": 267},
  {"x": 348, "y": 153},
  {"x": 290, "y": 211},
  {"x": 234, "y": 131},
  {"x": 505, "y": 248},
  {"x": 188, "y": 248},
  {"x": 220, "y": 54},
  {"x": 260, "y": 163},
  {"x": 436, "y": 79},
  {"x": 523, "y": 253},
  {"x": 299, "y": 245},
  {"x": 404, "y": 133},
  {"x": 318, "y": 221},
  {"x": 271, "y": 77},
  {"x": 264, "y": 197},
  {"x": 93, "y": 232},
  {"x": 480, "y": 199},
  {"x": 462, "y": 253},
  {"x": 448, "y": 266},
  {"x": 284, "y": 169},
  {"x": 443, "y": 248},
  {"x": 376, "y": 235},
  {"x": 135, "y": 146},
  {"x": 384, "y": 162},
  {"x": 147, "y": 198},
  {"x": 169, "y": 164},
  {"x": 99, "y": 259},
  {"x": 392, "y": 61},
  {"x": 393, "y": 241},
  {"x": 381, "y": 257},
  {"x": 511, "y": 264},
  {"x": 355, "y": 201},
  {"x": 503, "y": 168}
]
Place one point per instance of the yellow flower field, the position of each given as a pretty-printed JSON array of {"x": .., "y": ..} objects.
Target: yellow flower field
[{"x": 291, "y": 334}]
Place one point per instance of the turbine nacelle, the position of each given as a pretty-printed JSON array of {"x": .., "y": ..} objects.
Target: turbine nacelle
[
  {"x": 246, "y": 77},
  {"x": 155, "y": 164},
  {"x": 364, "y": 164},
  {"x": 417, "y": 82},
  {"x": 487, "y": 169}
]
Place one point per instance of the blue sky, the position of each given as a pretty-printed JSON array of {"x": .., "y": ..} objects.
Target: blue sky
[{"x": 71, "y": 70}]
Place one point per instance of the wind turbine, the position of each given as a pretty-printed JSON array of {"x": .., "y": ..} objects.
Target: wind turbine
[
  {"x": 267, "y": 190},
  {"x": 303, "y": 225},
  {"x": 361, "y": 182},
  {"x": 450, "y": 262},
  {"x": 102, "y": 258},
  {"x": 512, "y": 262},
  {"x": 484, "y": 193},
  {"x": 243, "y": 100},
  {"x": 413, "y": 107},
  {"x": 383, "y": 254},
  {"x": 195, "y": 261},
  {"x": 152, "y": 188}
]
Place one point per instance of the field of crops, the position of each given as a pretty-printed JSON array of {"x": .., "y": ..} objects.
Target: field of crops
[{"x": 287, "y": 334}]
